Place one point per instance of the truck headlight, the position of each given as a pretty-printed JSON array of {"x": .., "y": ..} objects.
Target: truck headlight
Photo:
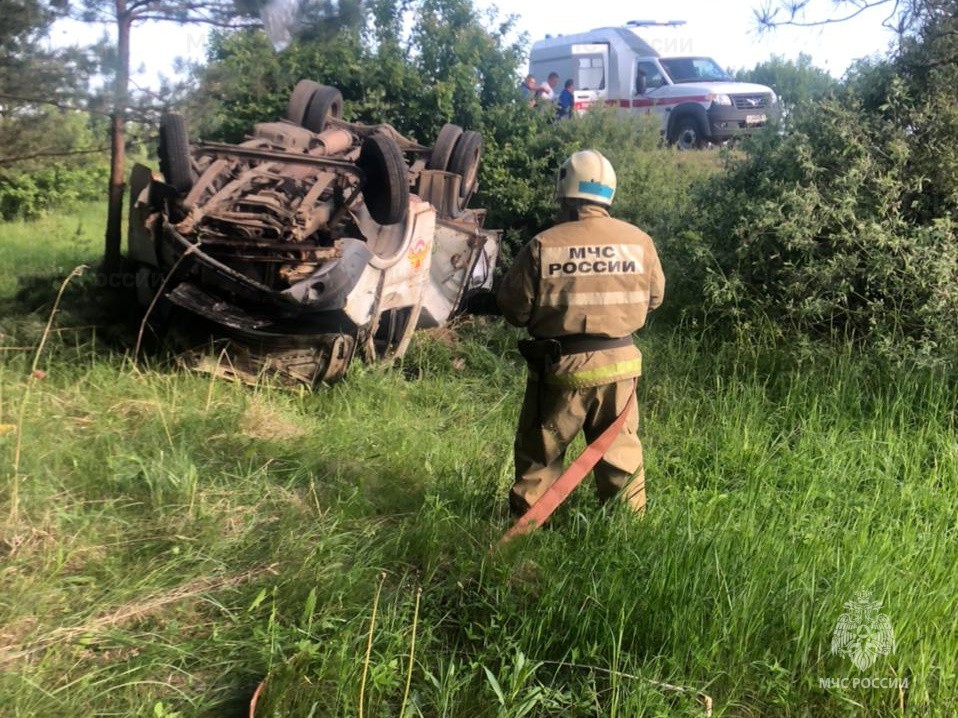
[
  {"x": 721, "y": 99},
  {"x": 773, "y": 99}
]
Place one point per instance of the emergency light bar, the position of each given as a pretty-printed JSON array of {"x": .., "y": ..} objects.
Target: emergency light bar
[{"x": 655, "y": 23}]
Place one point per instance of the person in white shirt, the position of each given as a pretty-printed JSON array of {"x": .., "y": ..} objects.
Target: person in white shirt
[{"x": 546, "y": 90}]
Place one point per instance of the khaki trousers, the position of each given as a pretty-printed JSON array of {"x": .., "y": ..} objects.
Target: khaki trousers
[{"x": 550, "y": 419}]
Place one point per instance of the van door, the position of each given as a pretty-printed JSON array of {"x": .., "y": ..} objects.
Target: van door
[
  {"x": 590, "y": 67},
  {"x": 649, "y": 100}
]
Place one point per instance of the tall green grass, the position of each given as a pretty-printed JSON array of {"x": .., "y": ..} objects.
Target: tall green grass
[
  {"x": 51, "y": 245},
  {"x": 179, "y": 539}
]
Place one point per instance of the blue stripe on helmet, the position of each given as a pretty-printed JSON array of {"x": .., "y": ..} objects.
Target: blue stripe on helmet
[{"x": 596, "y": 188}]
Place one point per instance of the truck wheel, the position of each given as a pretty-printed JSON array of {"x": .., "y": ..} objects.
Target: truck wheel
[
  {"x": 387, "y": 181},
  {"x": 445, "y": 144},
  {"x": 174, "y": 152},
  {"x": 299, "y": 100},
  {"x": 465, "y": 161},
  {"x": 325, "y": 102},
  {"x": 687, "y": 134}
]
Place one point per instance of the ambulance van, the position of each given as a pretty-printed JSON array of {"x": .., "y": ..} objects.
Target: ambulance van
[{"x": 697, "y": 101}]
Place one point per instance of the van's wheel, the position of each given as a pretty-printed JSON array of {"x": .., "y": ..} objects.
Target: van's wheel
[
  {"x": 687, "y": 134},
  {"x": 465, "y": 161},
  {"x": 299, "y": 100},
  {"x": 386, "y": 190},
  {"x": 325, "y": 102},
  {"x": 174, "y": 152},
  {"x": 445, "y": 144}
]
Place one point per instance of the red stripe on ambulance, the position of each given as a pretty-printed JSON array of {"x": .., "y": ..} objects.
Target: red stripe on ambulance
[{"x": 643, "y": 102}]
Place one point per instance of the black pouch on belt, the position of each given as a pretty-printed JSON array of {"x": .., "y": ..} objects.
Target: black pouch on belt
[{"x": 540, "y": 353}]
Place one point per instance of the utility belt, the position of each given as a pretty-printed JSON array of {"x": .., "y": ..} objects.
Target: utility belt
[{"x": 539, "y": 353}]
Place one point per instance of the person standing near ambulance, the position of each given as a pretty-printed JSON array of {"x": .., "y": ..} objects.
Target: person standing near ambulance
[
  {"x": 581, "y": 289},
  {"x": 547, "y": 90}
]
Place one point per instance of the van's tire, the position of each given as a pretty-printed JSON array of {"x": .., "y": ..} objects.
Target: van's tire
[
  {"x": 445, "y": 144},
  {"x": 174, "y": 152},
  {"x": 465, "y": 161},
  {"x": 299, "y": 100},
  {"x": 386, "y": 190},
  {"x": 687, "y": 134},
  {"x": 325, "y": 102}
]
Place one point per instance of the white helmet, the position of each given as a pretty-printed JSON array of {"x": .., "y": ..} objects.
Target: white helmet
[{"x": 586, "y": 175}]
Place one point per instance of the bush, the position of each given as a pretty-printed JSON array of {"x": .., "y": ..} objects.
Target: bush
[
  {"x": 50, "y": 160},
  {"x": 28, "y": 194},
  {"x": 524, "y": 150},
  {"x": 812, "y": 231},
  {"x": 842, "y": 223}
]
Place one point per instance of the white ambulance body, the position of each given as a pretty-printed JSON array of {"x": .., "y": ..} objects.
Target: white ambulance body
[{"x": 696, "y": 99}]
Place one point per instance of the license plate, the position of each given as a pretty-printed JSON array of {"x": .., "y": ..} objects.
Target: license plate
[{"x": 755, "y": 119}]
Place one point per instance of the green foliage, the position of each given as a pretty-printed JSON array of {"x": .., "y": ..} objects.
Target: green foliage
[
  {"x": 795, "y": 82},
  {"x": 52, "y": 244},
  {"x": 29, "y": 68},
  {"x": 179, "y": 539},
  {"x": 31, "y": 72},
  {"x": 34, "y": 139},
  {"x": 843, "y": 225},
  {"x": 524, "y": 149},
  {"x": 50, "y": 158},
  {"x": 28, "y": 194},
  {"x": 812, "y": 232},
  {"x": 465, "y": 65},
  {"x": 450, "y": 68}
]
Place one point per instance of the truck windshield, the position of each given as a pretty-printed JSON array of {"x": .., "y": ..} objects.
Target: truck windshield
[{"x": 694, "y": 69}]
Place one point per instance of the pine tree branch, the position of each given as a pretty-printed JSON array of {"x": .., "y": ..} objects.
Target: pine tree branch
[
  {"x": 39, "y": 155},
  {"x": 184, "y": 11},
  {"x": 54, "y": 103},
  {"x": 228, "y": 24},
  {"x": 766, "y": 16}
]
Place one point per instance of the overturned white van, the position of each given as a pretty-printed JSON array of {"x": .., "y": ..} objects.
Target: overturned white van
[
  {"x": 310, "y": 242},
  {"x": 698, "y": 102}
]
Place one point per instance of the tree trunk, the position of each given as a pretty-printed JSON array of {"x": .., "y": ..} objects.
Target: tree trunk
[{"x": 114, "y": 221}]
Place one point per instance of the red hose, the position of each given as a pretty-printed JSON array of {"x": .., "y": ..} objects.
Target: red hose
[
  {"x": 255, "y": 699},
  {"x": 572, "y": 477}
]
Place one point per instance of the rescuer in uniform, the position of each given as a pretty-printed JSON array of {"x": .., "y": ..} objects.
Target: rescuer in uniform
[{"x": 581, "y": 289}]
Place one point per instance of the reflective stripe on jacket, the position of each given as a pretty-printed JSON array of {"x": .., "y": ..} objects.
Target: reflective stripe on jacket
[{"x": 595, "y": 275}]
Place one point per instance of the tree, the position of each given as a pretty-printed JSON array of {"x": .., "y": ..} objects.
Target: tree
[
  {"x": 124, "y": 14},
  {"x": 909, "y": 18},
  {"x": 22, "y": 62},
  {"x": 50, "y": 151},
  {"x": 449, "y": 67},
  {"x": 843, "y": 224},
  {"x": 900, "y": 13},
  {"x": 35, "y": 81},
  {"x": 313, "y": 19},
  {"x": 913, "y": 89},
  {"x": 931, "y": 49},
  {"x": 795, "y": 82}
]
